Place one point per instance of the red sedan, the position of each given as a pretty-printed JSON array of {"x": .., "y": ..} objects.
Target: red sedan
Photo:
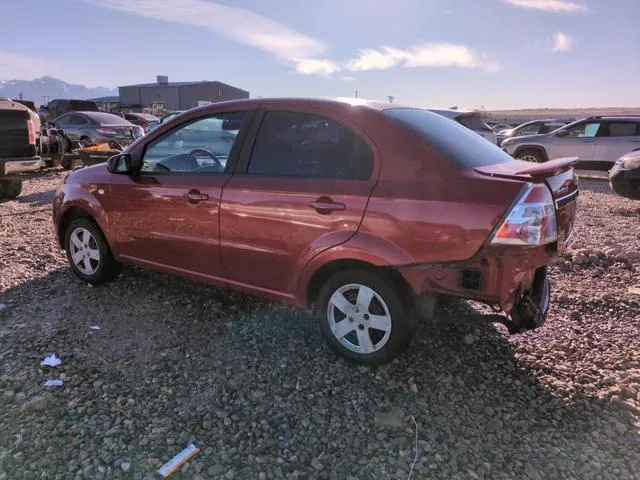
[{"x": 358, "y": 209}]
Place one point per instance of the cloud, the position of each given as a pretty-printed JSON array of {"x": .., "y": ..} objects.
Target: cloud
[
  {"x": 237, "y": 24},
  {"x": 347, "y": 78},
  {"x": 315, "y": 66},
  {"x": 425, "y": 55},
  {"x": 561, "y": 42},
  {"x": 566, "y": 6},
  {"x": 25, "y": 67}
]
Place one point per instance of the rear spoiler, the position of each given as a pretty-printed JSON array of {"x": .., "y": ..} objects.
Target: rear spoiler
[{"x": 549, "y": 168}]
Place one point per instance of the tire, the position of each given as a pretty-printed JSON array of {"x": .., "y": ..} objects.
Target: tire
[
  {"x": 530, "y": 155},
  {"x": 350, "y": 339},
  {"x": 68, "y": 162},
  {"x": 10, "y": 188},
  {"x": 84, "y": 240},
  {"x": 86, "y": 140}
]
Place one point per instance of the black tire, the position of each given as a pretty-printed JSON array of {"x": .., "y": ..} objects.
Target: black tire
[
  {"x": 68, "y": 162},
  {"x": 10, "y": 188},
  {"x": 106, "y": 267},
  {"x": 401, "y": 325},
  {"x": 530, "y": 155}
]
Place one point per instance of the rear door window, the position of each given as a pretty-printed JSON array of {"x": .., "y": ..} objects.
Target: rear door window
[
  {"x": 297, "y": 144},
  {"x": 623, "y": 129},
  {"x": 461, "y": 145}
]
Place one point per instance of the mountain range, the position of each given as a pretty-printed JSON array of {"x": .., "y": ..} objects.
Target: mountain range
[{"x": 43, "y": 89}]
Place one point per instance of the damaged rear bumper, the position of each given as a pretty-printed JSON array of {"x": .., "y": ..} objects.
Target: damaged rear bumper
[{"x": 513, "y": 280}]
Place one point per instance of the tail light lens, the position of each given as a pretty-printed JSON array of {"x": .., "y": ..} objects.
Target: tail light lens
[
  {"x": 531, "y": 221},
  {"x": 106, "y": 131},
  {"x": 32, "y": 132}
]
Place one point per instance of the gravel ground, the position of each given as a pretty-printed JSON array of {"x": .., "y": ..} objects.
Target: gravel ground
[{"x": 254, "y": 386}]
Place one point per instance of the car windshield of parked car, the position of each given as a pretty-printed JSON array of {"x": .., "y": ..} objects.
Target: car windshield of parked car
[
  {"x": 461, "y": 145},
  {"x": 201, "y": 146},
  {"x": 584, "y": 130},
  {"x": 474, "y": 122},
  {"x": 107, "y": 119},
  {"x": 82, "y": 105},
  {"x": 532, "y": 129}
]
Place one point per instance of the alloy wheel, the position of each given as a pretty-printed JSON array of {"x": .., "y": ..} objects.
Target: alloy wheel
[
  {"x": 359, "y": 318},
  {"x": 84, "y": 251}
]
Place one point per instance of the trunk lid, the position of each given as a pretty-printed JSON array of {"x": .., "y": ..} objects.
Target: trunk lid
[{"x": 560, "y": 177}]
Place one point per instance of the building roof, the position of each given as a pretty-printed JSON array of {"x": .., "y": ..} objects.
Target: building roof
[
  {"x": 112, "y": 98},
  {"x": 178, "y": 84}
]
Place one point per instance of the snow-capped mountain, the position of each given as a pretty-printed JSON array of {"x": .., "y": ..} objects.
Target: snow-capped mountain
[{"x": 46, "y": 88}]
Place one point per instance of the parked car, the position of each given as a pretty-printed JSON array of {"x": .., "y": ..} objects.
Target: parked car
[
  {"x": 18, "y": 151},
  {"x": 472, "y": 120},
  {"x": 535, "y": 127},
  {"x": 57, "y": 107},
  {"x": 27, "y": 103},
  {"x": 597, "y": 142},
  {"x": 164, "y": 119},
  {"x": 363, "y": 210},
  {"x": 141, "y": 119},
  {"x": 97, "y": 127},
  {"x": 624, "y": 177}
]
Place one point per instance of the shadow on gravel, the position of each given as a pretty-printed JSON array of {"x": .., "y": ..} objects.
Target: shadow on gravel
[
  {"x": 39, "y": 199},
  {"x": 255, "y": 387}
]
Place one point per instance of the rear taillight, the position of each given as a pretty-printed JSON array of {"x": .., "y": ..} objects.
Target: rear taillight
[
  {"x": 32, "y": 132},
  {"x": 106, "y": 131},
  {"x": 531, "y": 221}
]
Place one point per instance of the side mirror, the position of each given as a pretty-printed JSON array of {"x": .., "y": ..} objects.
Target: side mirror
[
  {"x": 562, "y": 133},
  {"x": 120, "y": 164}
]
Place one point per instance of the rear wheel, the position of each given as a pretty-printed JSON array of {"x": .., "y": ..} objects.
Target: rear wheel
[
  {"x": 530, "y": 155},
  {"x": 88, "y": 252},
  {"x": 363, "y": 318},
  {"x": 10, "y": 188}
]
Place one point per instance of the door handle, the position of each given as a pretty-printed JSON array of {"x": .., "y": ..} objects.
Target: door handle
[
  {"x": 589, "y": 140},
  {"x": 194, "y": 196},
  {"x": 325, "y": 205}
]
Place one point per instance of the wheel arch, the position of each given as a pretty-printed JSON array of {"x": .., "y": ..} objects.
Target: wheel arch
[
  {"x": 537, "y": 148},
  {"x": 69, "y": 215}
]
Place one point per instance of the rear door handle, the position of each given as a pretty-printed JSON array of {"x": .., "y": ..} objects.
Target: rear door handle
[
  {"x": 325, "y": 205},
  {"x": 194, "y": 196}
]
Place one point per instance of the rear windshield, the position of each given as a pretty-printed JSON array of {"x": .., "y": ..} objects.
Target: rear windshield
[
  {"x": 461, "y": 145},
  {"x": 108, "y": 119},
  {"x": 83, "y": 106},
  {"x": 474, "y": 122}
]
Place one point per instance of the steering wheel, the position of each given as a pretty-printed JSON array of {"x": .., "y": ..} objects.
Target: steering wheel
[{"x": 204, "y": 152}]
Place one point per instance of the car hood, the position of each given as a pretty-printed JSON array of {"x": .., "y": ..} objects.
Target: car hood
[{"x": 93, "y": 174}]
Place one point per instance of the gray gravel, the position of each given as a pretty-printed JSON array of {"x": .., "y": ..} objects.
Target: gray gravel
[{"x": 253, "y": 385}]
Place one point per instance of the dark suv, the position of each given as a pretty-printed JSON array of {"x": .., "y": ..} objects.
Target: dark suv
[
  {"x": 57, "y": 107},
  {"x": 18, "y": 151}
]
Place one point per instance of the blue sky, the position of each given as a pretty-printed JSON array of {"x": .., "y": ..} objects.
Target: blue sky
[{"x": 472, "y": 53}]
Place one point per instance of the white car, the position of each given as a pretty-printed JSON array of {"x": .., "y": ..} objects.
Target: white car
[{"x": 471, "y": 120}]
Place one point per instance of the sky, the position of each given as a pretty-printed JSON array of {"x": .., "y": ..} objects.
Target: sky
[{"x": 496, "y": 54}]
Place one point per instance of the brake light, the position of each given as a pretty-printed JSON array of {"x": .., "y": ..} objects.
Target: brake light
[
  {"x": 32, "y": 132},
  {"x": 531, "y": 221},
  {"x": 106, "y": 131}
]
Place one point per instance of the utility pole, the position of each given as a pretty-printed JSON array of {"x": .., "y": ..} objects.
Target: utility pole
[{"x": 356, "y": 93}]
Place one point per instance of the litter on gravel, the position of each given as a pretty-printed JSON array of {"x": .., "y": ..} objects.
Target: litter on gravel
[
  {"x": 180, "y": 459},
  {"x": 54, "y": 383},
  {"x": 51, "y": 361}
]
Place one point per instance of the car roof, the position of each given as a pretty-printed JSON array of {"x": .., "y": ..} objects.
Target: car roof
[{"x": 307, "y": 101}]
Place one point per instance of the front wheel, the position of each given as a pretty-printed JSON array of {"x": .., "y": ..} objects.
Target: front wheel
[
  {"x": 363, "y": 318},
  {"x": 88, "y": 252}
]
